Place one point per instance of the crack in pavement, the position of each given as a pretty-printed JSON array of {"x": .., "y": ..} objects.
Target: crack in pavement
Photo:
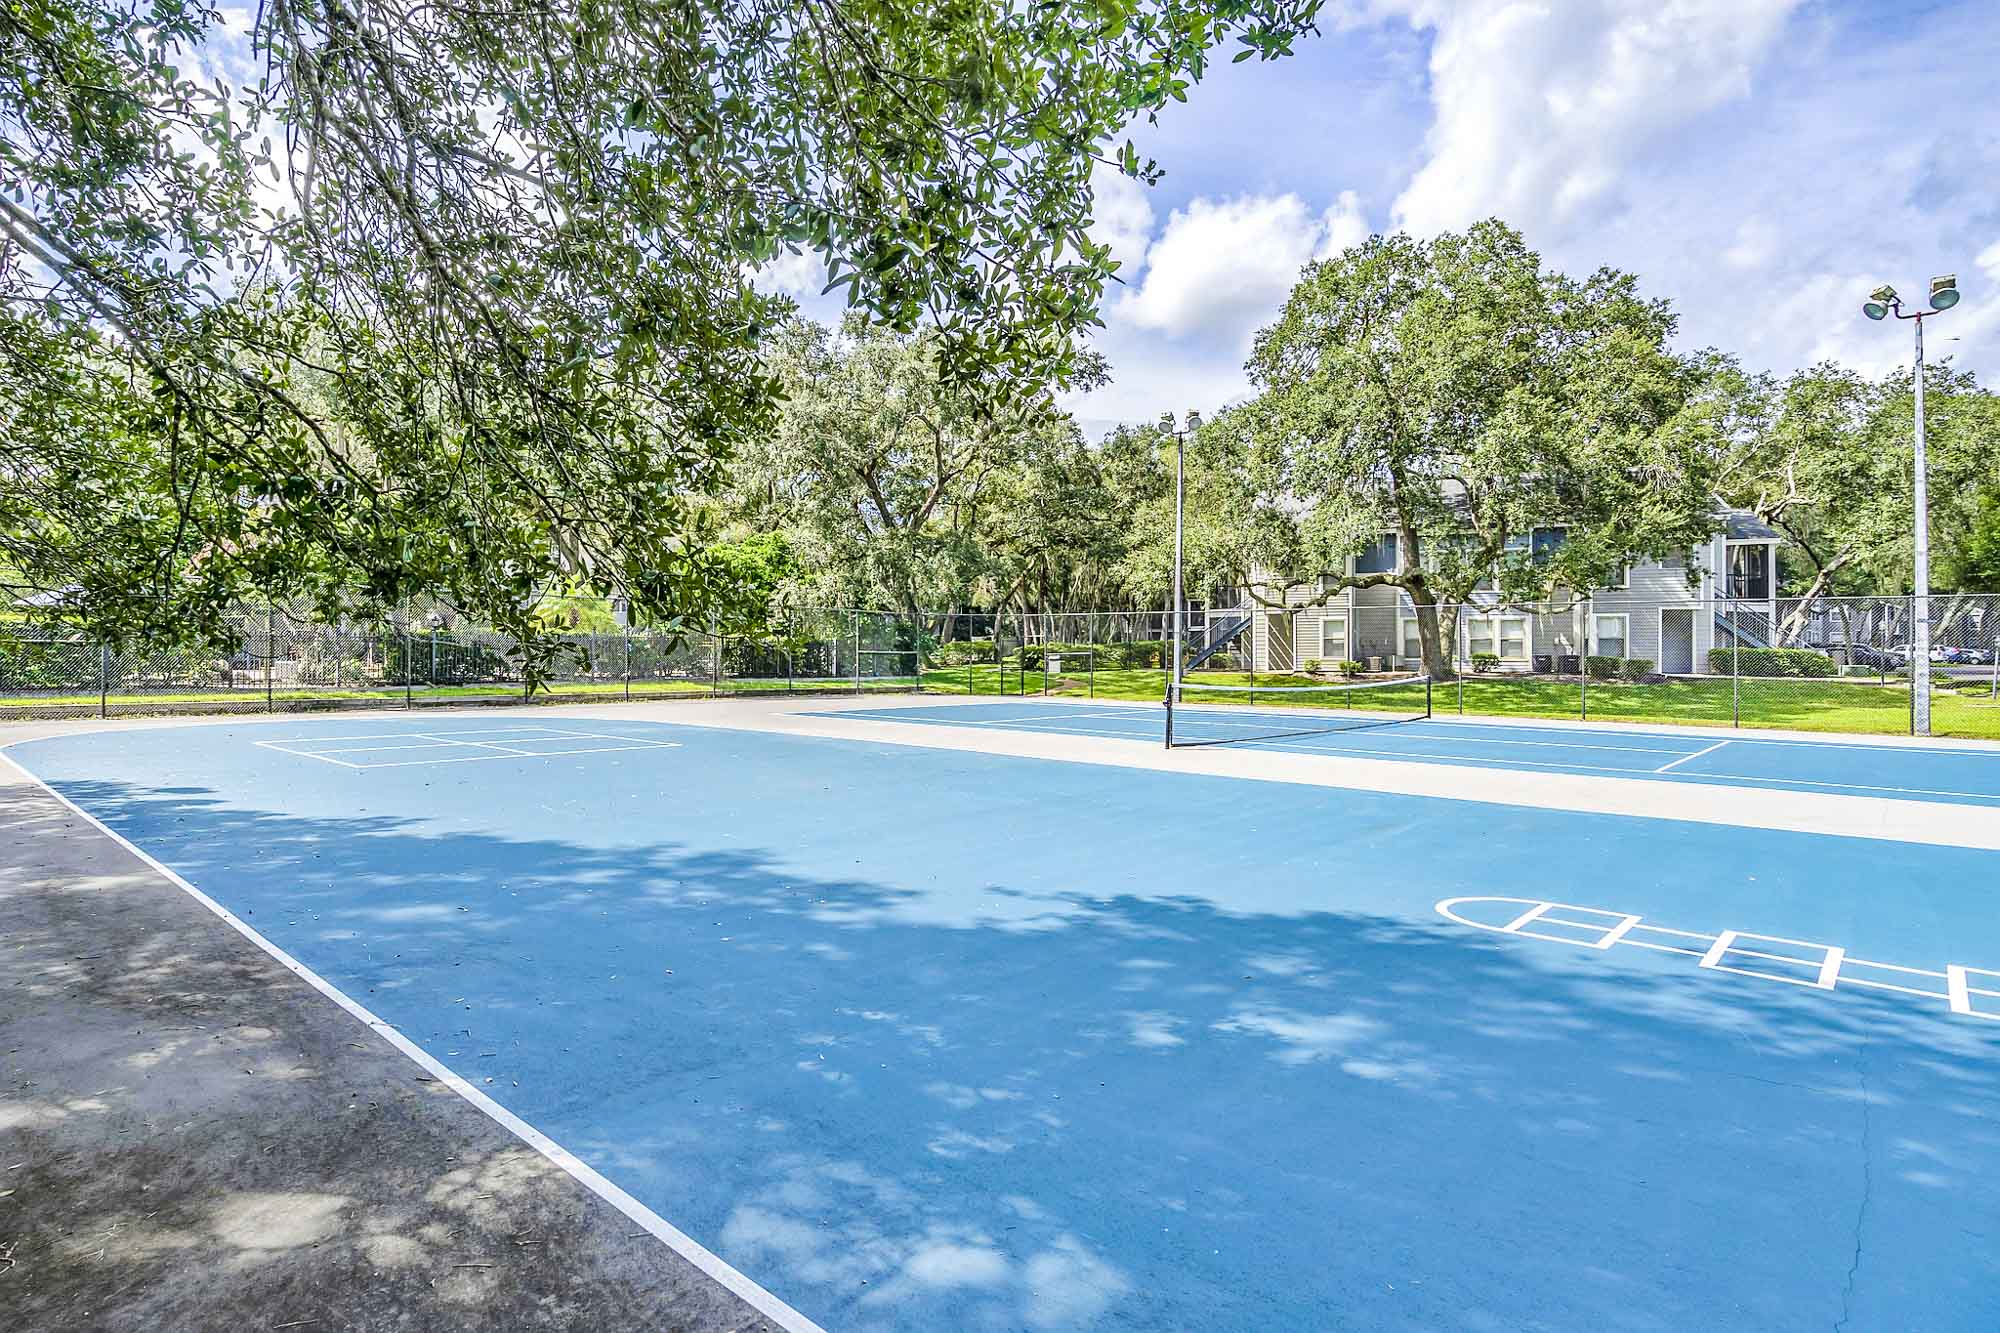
[{"x": 1867, "y": 1191}]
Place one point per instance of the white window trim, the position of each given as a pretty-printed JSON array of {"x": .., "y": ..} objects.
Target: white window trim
[
  {"x": 1625, "y": 638},
  {"x": 1494, "y": 618},
  {"x": 1406, "y": 620},
  {"x": 1346, "y": 639}
]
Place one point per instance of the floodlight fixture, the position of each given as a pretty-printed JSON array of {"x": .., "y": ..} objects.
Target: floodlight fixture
[{"x": 1881, "y": 303}]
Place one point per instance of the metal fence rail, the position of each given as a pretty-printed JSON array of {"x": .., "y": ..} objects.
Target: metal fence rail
[
  {"x": 285, "y": 660},
  {"x": 1828, "y": 664}
]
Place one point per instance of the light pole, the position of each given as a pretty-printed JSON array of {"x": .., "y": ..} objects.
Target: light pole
[
  {"x": 1178, "y": 614},
  {"x": 1881, "y": 303}
]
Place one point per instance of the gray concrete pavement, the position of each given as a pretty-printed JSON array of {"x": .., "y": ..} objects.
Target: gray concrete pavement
[{"x": 192, "y": 1138}]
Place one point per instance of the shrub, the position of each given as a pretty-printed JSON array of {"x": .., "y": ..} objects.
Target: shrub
[
  {"x": 1636, "y": 669},
  {"x": 962, "y": 652},
  {"x": 1485, "y": 662},
  {"x": 1348, "y": 667},
  {"x": 1146, "y": 654},
  {"x": 1312, "y": 666},
  {"x": 1795, "y": 662},
  {"x": 1601, "y": 668},
  {"x": 31, "y": 664}
]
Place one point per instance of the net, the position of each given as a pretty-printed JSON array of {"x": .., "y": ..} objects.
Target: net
[{"x": 1239, "y": 714}]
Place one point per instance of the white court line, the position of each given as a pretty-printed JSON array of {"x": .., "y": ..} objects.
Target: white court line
[
  {"x": 489, "y": 745},
  {"x": 1835, "y": 968},
  {"x": 1197, "y": 718},
  {"x": 306, "y": 754},
  {"x": 373, "y": 749},
  {"x": 520, "y": 754},
  {"x": 1763, "y": 781},
  {"x": 533, "y": 727},
  {"x": 582, "y": 1172},
  {"x": 1686, "y": 757}
]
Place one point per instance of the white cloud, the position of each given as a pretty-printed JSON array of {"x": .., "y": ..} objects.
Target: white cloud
[
  {"x": 1755, "y": 245},
  {"x": 795, "y": 275},
  {"x": 1221, "y": 268},
  {"x": 1123, "y": 219},
  {"x": 1541, "y": 106},
  {"x": 1342, "y": 226}
]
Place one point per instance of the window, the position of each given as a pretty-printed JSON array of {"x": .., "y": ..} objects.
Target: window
[
  {"x": 1506, "y": 637},
  {"x": 1413, "y": 639},
  {"x": 1610, "y": 633},
  {"x": 1545, "y": 542},
  {"x": 1378, "y": 556},
  {"x": 1333, "y": 638},
  {"x": 1620, "y": 582},
  {"x": 1750, "y": 571}
]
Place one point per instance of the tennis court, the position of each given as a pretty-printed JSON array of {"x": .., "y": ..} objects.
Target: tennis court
[
  {"x": 1929, "y": 772},
  {"x": 905, "y": 1031}
]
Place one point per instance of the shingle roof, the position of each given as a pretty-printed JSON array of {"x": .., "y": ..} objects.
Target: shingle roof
[{"x": 1746, "y": 527}]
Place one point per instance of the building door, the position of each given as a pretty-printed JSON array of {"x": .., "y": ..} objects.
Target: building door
[
  {"x": 1677, "y": 640},
  {"x": 1278, "y": 652}
]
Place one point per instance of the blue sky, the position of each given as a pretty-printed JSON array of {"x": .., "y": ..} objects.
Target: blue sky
[{"x": 1760, "y": 163}]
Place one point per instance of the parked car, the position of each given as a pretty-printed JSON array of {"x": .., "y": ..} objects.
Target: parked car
[{"x": 1864, "y": 655}]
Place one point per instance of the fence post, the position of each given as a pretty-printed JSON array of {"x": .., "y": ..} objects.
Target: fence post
[
  {"x": 1583, "y": 662},
  {"x": 104, "y": 680},
  {"x": 856, "y": 615},
  {"x": 1735, "y": 673},
  {"x": 628, "y": 664},
  {"x": 1459, "y": 658},
  {"x": 714, "y": 658},
  {"x": 270, "y": 651},
  {"x": 409, "y": 664}
]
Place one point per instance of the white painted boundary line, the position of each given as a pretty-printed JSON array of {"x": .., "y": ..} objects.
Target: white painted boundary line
[
  {"x": 1833, "y": 968},
  {"x": 1686, "y": 758},
  {"x": 582, "y": 1172},
  {"x": 446, "y": 741},
  {"x": 1425, "y": 731}
]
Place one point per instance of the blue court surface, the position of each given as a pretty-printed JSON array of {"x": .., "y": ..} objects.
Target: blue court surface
[
  {"x": 928, "y": 1039},
  {"x": 1884, "y": 771}
]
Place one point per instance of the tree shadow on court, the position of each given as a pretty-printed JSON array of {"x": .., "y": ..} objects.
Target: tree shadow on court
[{"x": 1018, "y": 1103}]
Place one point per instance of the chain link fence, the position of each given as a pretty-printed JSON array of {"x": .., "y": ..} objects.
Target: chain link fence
[
  {"x": 1825, "y": 664},
  {"x": 426, "y": 654},
  {"x": 1820, "y": 664}
]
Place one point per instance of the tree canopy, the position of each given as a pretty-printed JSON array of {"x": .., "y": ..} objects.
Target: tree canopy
[
  {"x": 480, "y": 321},
  {"x": 1828, "y": 462},
  {"x": 1455, "y": 396}
]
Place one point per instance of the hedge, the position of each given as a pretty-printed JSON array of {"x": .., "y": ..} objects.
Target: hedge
[{"x": 1770, "y": 662}]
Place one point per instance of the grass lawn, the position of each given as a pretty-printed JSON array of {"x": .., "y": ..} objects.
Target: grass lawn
[{"x": 1798, "y": 705}]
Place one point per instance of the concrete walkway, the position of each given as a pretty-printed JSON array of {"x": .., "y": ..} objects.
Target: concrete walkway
[{"x": 192, "y": 1138}]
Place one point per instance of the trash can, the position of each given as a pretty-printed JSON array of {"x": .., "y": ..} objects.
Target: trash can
[{"x": 1375, "y": 666}]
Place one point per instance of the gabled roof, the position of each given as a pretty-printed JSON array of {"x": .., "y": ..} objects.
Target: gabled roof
[{"x": 1742, "y": 526}]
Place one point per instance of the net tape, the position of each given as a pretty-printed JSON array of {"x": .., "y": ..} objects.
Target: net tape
[{"x": 1201, "y": 715}]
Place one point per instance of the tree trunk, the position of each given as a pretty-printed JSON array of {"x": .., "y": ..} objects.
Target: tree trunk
[{"x": 1437, "y": 632}]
